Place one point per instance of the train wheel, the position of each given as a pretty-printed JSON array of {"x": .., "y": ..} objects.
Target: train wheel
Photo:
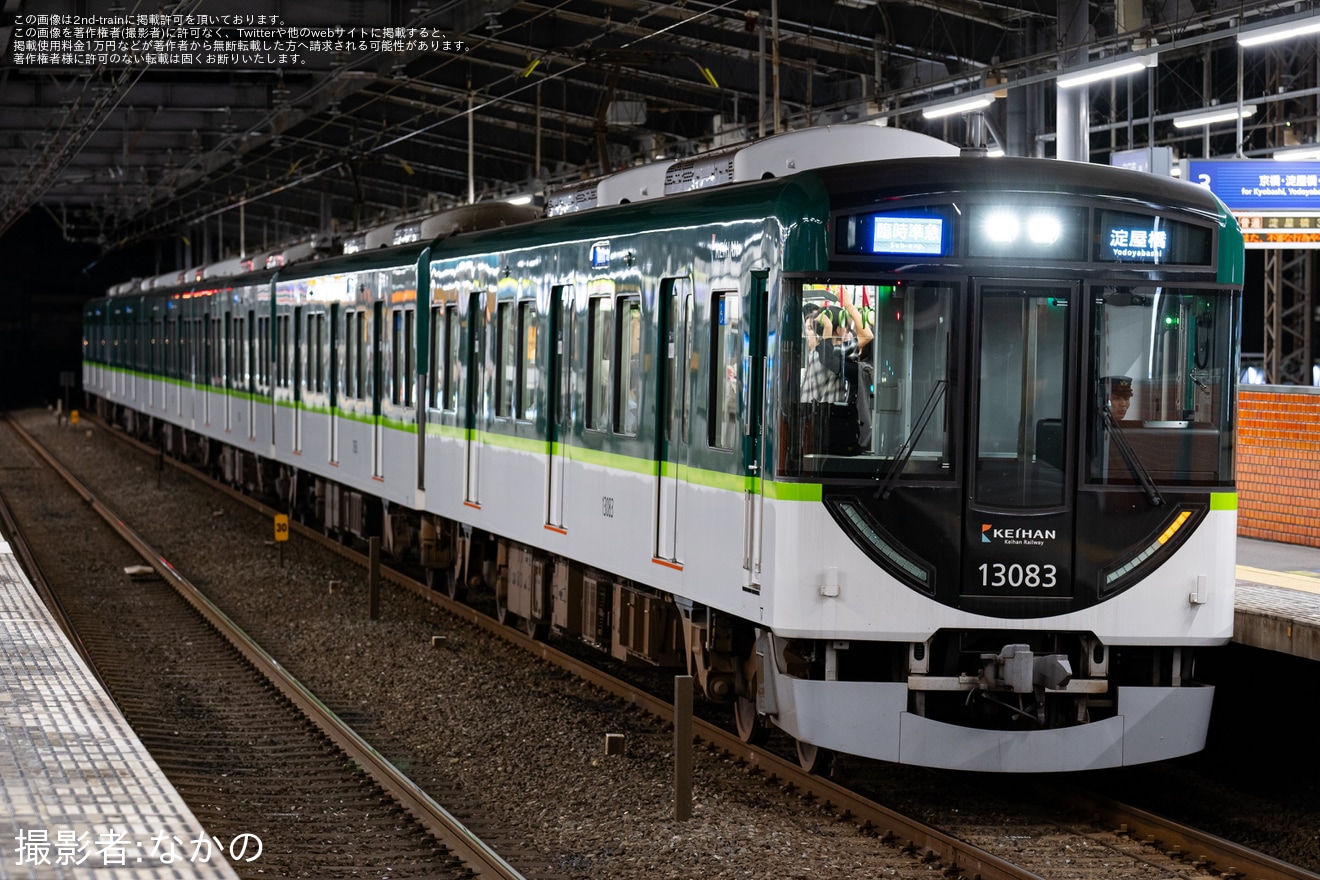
[
  {"x": 454, "y": 585},
  {"x": 445, "y": 580},
  {"x": 502, "y": 609},
  {"x": 751, "y": 727},
  {"x": 536, "y": 629},
  {"x": 814, "y": 759}
]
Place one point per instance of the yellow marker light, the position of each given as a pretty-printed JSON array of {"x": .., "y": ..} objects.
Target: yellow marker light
[
  {"x": 1150, "y": 550},
  {"x": 1177, "y": 524}
]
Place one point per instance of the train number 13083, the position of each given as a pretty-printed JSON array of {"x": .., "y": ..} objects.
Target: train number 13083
[{"x": 1032, "y": 576}]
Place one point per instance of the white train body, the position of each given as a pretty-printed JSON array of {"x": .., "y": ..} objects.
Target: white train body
[{"x": 976, "y": 563}]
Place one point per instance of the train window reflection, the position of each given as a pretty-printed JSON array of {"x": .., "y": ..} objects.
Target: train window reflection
[
  {"x": 866, "y": 385},
  {"x": 1162, "y": 383},
  {"x": 1021, "y": 397},
  {"x": 726, "y": 385},
  {"x": 600, "y": 325}
]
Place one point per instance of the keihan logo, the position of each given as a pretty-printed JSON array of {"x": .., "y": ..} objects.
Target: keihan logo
[{"x": 1036, "y": 537}]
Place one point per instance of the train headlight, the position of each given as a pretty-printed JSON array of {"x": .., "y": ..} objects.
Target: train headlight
[
  {"x": 1036, "y": 231},
  {"x": 1044, "y": 229},
  {"x": 1001, "y": 227}
]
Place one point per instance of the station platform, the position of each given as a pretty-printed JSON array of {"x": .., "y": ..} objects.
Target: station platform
[
  {"x": 1278, "y": 598},
  {"x": 80, "y": 797}
]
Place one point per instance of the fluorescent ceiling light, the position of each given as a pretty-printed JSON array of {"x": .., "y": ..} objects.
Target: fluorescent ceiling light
[
  {"x": 1299, "y": 27},
  {"x": 1292, "y": 154},
  {"x": 1111, "y": 70},
  {"x": 1213, "y": 115},
  {"x": 519, "y": 200},
  {"x": 962, "y": 105}
]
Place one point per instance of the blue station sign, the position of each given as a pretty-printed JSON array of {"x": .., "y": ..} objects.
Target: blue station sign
[{"x": 1260, "y": 184}]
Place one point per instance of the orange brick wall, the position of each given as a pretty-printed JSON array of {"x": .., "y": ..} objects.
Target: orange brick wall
[{"x": 1278, "y": 464}]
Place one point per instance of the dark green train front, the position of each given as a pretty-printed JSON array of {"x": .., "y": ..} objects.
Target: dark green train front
[{"x": 1030, "y": 440}]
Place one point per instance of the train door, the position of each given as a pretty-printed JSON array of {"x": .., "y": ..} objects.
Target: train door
[
  {"x": 674, "y": 417},
  {"x": 377, "y": 389},
  {"x": 472, "y": 357},
  {"x": 752, "y": 381},
  {"x": 559, "y": 366},
  {"x": 1018, "y": 525}
]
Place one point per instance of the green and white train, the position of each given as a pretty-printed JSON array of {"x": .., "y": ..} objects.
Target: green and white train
[{"x": 967, "y": 557}]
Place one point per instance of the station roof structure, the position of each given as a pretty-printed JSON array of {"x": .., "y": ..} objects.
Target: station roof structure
[{"x": 128, "y": 121}]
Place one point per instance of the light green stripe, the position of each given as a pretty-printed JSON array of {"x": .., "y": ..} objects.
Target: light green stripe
[
  {"x": 613, "y": 461},
  {"x": 453, "y": 432},
  {"x": 808, "y": 492},
  {"x": 795, "y": 491},
  {"x": 521, "y": 444},
  {"x": 1223, "y": 501}
]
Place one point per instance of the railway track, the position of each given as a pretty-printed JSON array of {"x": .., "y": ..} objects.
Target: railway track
[
  {"x": 1193, "y": 856},
  {"x": 244, "y": 742}
]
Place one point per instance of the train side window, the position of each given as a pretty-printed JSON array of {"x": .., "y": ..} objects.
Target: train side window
[
  {"x": 600, "y": 323},
  {"x": 527, "y": 364},
  {"x": 506, "y": 357},
  {"x": 282, "y": 346},
  {"x": 157, "y": 346},
  {"x": 305, "y": 355},
  {"x": 360, "y": 343},
  {"x": 350, "y": 352},
  {"x": 409, "y": 361},
  {"x": 318, "y": 351},
  {"x": 628, "y": 355},
  {"x": 396, "y": 353},
  {"x": 453, "y": 327},
  {"x": 238, "y": 374},
  {"x": 215, "y": 353},
  {"x": 263, "y": 353},
  {"x": 172, "y": 347},
  {"x": 725, "y": 384},
  {"x": 227, "y": 351},
  {"x": 435, "y": 378}
]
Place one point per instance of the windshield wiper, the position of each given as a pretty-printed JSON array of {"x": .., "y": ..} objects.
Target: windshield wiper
[
  {"x": 1131, "y": 459},
  {"x": 910, "y": 444}
]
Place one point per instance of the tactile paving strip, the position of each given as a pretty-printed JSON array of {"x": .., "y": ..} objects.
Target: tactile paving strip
[{"x": 80, "y": 797}]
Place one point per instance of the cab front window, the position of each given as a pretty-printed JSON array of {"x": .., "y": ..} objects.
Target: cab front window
[
  {"x": 866, "y": 385},
  {"x": 1163, "y": 385}
]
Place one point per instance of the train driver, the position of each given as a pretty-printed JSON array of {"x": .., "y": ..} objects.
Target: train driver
[{"x": 1118, "y": 391}]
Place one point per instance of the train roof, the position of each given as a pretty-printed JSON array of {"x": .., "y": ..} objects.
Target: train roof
[
  {"x": 855, "y": 186},
  {"x": 776, "y": 156}
]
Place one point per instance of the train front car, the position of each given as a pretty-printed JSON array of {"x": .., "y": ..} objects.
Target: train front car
[{"x": 1009, "y": 408}]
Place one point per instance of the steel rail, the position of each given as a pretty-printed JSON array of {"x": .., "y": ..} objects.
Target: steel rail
[
  {"x": 465, "y": 845},
  {"x": 1203, "y": 851},
  {"x": 956, "y": 857},
  {"x": 19, "y": 544}
]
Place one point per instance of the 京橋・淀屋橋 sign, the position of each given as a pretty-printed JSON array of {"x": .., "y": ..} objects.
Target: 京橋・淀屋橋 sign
[
  {"x": 1276, "y": 203},
  {"x": 1247, "y": 185}
]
